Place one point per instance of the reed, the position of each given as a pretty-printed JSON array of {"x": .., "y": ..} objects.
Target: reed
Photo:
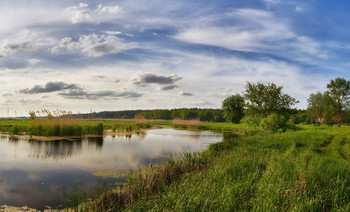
[{"x": 141, "y": 183}]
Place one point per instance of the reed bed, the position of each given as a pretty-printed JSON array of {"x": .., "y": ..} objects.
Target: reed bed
[
  {"x": 145, "y": 183},
  {"x": 62, "y": 123}
]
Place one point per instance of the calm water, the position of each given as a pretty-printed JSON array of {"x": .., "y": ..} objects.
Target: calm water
[{"x": 32, "y": 172}]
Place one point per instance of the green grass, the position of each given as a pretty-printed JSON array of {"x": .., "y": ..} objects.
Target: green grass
[
  {"x": 212, "y": 126},
  {"x": 305, "y": 170}
]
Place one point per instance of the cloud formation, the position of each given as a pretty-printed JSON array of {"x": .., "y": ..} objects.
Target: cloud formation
[
  {"x": 183, "y": 93},
  {"x": 81, "y": 94},
  {"x": 166, "y": 82},
  {"x": 93, "y": 45},
  {"x": 83, "y": 13},
  {"x": 50, "y": 87},
  {"x": 106, "y": 47},
  {"x": 169, "y": 87},
  {"x": 257, "y": 31},
  {"x": 74, "y": 91}
]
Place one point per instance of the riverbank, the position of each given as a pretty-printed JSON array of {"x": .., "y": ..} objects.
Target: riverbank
[{"x": 304, "y": 170}]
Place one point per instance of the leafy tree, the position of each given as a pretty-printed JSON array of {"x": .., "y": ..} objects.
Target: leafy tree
[
  {"x": 233, "y": 108},
  {"x": 339, "y": 97},
  {"x": 319, "y": 107},
  {"x": 32, "y": 115},
  {"x": 266, "y": 99}
]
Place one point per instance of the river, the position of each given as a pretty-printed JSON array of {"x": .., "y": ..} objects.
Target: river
[{"x": 34, "y": 173}]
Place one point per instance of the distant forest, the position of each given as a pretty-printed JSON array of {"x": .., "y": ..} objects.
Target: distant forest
[
  {"x": 211, "y": 115},
  {"x": 182, "y": 113}
]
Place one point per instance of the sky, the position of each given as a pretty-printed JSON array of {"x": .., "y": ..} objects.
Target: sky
[{"x": 101, "y": 55}]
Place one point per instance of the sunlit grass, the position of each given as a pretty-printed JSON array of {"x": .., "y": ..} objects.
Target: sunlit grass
[{"x": 304, "y": 170}]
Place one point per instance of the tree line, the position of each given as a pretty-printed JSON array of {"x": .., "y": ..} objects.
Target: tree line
[
  {"x": 263, "y": 105},
  {"x": 213, "y": 115},
  {"x": 267, "y": 106}
]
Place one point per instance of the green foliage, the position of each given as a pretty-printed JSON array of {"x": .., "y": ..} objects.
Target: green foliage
[
  {"x": 206, "y": 116},
  {"x": 274, "y": 123},
  {"x": 219, "y": 117},
  {"x": 319, "y": 107},
  {"x": 184, "y": 114},
  {"x": 266, "y": 99},
  {"x": 15, "y": 130},
  {"x": 300, "y": 116},
  {"x": 233, "y": 108},
  {"x": 252, "y": 121},
  {"x": 32, "y": 115},
  {"x": 339, "y": 97}
]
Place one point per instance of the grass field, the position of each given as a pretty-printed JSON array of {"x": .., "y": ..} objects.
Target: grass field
[{"x": 304, "y": 170}]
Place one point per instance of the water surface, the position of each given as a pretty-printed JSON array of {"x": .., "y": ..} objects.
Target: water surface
[{"x": 33, "y": 172}]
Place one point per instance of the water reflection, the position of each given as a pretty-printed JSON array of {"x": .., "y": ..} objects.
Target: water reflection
[
  {"x": 54, "y": 149},
  {"x": 32, "y": 171},
  {"x": 61, "y": 149}
]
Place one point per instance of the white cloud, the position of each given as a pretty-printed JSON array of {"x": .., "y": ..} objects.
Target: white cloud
[
  {"x": 108, "y": 9},
  {"x": 78, "y": 14},
  {"x": 93, "y": 45},
  {"x": 25, "y": 41},
  {"x": 83, "y": 5},
  {"x": 257, "y": 31},
  {"x": 112, "y": 32},
  {"x": 20, "y": 16},
  {"x": 82, "y": 13},
  {"x": 33, "y": 61}
]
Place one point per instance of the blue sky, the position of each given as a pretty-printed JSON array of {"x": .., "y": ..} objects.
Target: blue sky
[{"x": 145, "y": 54}]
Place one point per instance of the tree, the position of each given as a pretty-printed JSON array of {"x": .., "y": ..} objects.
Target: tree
[
  {"x": 319, "y": 107},
  {"x": 339, "y": 96},
  {"x": 206, "y": 116},
  {"x": 233, "y": 108},
  {"x": 32, "y": 115},
  {"x": 267, "y": 99}
]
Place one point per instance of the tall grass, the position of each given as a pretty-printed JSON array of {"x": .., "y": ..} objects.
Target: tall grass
[
  {"x": 148, "y": 182},
  {"x": 68, "y": 126},
  {"x": 304, "y": 170}
]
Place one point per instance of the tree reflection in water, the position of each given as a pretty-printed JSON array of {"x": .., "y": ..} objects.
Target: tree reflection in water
[{"x": 62, "y": 149}]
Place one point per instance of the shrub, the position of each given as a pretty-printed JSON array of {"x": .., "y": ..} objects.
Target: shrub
[
  {"x": 274, "y": 123},
  {"x": 251, "y": 121}
]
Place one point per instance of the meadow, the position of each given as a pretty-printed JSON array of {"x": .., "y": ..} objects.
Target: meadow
[{"x": 307, "y": 169}]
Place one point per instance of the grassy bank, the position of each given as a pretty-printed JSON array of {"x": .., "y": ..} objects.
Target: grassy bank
[
  {"x": 305, "y": 170},
  {"x": 77, "y": 127},
  {"x": 73, "y": 127}
]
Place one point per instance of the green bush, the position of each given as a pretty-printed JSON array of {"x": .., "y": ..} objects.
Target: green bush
[
  {"x": 251, "y": 121},
  {"x": 274, "y": 123},
  {"x": 15, "y": 130}
]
